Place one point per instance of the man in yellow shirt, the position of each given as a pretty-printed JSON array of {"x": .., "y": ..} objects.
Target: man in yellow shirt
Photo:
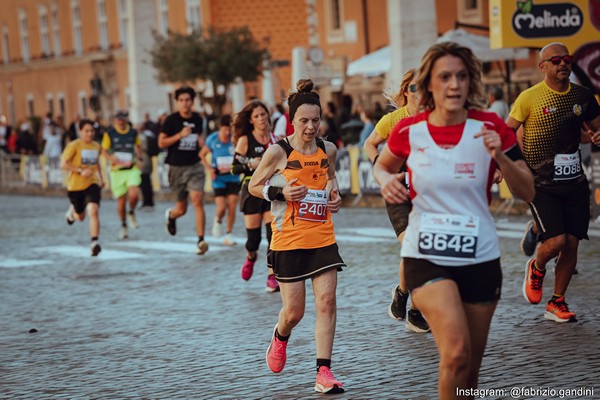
[
  {"x": 121, "y": 145},
  {"x": 553, "y": 114},
  {"x": 80, "y": 160}
]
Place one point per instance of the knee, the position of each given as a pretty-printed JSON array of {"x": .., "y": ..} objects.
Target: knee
[
  {"x": 326, "y": 303},
  {"x": 92, "y": 211},
  {"x": 253, "y": 241},
  {"x": 292, "y": 315},
  {"x": 456, "y": 359}
]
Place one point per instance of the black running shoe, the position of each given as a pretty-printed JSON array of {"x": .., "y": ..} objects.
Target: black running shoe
[
  {"x": 170, "y": 223},
  {"x": 416, "y": 322},
  {"x": 529, "y": 240},
  {"x": 95, "y": 247},
  {"x": 397, "y": 309}
]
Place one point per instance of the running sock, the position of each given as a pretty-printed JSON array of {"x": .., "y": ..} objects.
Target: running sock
[
  {"x": 200, "y": 239},
  {"x": 131, "y": 212},
  {"x": 94, "y": 238},
  {"x": 124, "y": 224},
  {"x": 228, "y": 232},
  {"x": 556, "y": 296},
  {"x": 538, "y": 268},
  {"x": 281, "y": 338},
  {"x": 402, "y": 292},
  {"x": 323, "y": 362},
  {"x": 253, "y": 258}
]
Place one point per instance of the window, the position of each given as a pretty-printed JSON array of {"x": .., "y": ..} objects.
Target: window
[
  {"x": 102, "y": 24},
  {"x": 61, "y": 104},
  {"x": 336, "y": 22},
  {"x": 193, "y": 15},
  {"x": 83, "y": 105},
  {"x": 30, "y": 105},
  {"x": 24, "y": 30},
  {"x": 56, "y": 30},
  {"x": 50, "y": 103},
  {"x": 44, "y": 31},
  {"x": 5, "y": 46},
  {"x": 163, "y": 17},
  {"x": 123, "y": 21},
  {"x": 470, "y": 11},
  {"x": 11, "y": 108},
  {"x": 77, "y": 35}
]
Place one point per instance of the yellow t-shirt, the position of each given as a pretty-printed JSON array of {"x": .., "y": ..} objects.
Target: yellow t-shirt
[
  {"x": 552, "y": 124},
  {"x": 386, "y": 124},
  {"x": 83, "y": 155}
]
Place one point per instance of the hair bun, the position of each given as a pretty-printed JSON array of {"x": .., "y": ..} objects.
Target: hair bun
[{"x": 305, "y": 85}]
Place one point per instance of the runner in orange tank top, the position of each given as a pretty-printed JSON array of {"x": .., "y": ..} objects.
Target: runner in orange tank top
[{"x": 298, "y": 177}]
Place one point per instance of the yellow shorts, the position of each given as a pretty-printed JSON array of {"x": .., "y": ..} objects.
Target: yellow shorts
[{"x": 122, "y": 180}]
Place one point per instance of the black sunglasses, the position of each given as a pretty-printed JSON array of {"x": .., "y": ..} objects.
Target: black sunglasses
[
  {"x": 412, "y": 88},
  {"x": 568, "y": 59}
]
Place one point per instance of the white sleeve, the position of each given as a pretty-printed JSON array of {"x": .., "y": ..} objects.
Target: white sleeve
[{"x": 280, "y": 127}]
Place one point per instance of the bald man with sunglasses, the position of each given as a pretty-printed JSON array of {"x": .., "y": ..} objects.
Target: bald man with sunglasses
[{"x": 556, "y": 116}]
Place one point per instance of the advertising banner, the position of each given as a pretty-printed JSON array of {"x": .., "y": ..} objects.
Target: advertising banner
[{"x": 536, "y": 23}]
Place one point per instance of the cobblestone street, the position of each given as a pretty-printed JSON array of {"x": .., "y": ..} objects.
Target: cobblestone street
[{"x": 149, "y": 319}]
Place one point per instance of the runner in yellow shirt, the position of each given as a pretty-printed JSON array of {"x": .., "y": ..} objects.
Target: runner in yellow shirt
[{"x": 80, "y": 160}]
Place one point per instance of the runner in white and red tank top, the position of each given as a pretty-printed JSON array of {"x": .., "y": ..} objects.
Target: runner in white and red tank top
[{"x": 450, "y": 250}]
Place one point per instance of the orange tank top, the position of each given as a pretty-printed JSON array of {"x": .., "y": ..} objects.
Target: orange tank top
[{"x": 304, "y": 224}]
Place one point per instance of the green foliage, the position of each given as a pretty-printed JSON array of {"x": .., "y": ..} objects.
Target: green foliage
[{"x": 218, "y": 55}]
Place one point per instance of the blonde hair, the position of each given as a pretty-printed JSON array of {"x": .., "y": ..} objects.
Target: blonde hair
[
  {"x": 476, "y": 97},
  {"x": 398, "y": 99}
]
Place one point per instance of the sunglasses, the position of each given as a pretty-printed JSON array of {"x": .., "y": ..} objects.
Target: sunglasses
[
  {"x": 412, "y": 88},
  {"x": 568, "y": 59}
]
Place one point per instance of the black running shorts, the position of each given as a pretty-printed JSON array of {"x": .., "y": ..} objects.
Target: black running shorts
[
  {"x": 301, "y": 264},
  {"x": 477, "y": 283},
  {"x": 250, "y": 205},
  {"x": 398, "y": 214},
  {"x": 81, "y": 198},
  {"x": 567, "y": 210},
  {"x": 230, "y": 188}
]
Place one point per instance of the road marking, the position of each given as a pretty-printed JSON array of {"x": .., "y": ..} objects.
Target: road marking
[
  {"x": 84, "y": 252},
  {"x": 14, "y": 263}
]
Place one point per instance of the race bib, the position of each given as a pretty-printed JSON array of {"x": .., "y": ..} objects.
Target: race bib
[
  {"x": 313, "y": 207},
  {"x": 448, "y": 235},
  {"x": 189, "y": 143},
  {"x": 224, "y": 163},
  {"x": 89, "y": 157},
  {"x": 566, "y": 166},
  {"x": 123, "y": 158}
]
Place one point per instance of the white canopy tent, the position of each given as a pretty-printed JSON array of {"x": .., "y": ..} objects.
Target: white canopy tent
[{"x": 380, "y": 62}]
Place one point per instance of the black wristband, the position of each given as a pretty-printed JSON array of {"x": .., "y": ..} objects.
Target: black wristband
[
  {"x": 275, "y": 193},
  {"x": 375, "y": 159}
]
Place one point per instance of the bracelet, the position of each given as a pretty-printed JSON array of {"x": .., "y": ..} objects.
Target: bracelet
[
  {"x": 375, "y": 159},
  {"x": 79, "y": 170}
]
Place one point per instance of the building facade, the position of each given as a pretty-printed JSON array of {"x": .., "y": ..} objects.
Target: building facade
[{"x": 89, "y": 57}]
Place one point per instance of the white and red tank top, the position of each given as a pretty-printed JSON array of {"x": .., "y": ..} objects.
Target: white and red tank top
[{"x": 450, "y": 223}]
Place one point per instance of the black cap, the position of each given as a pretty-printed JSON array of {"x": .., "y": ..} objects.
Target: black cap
[{"x": 122, "y": 114}]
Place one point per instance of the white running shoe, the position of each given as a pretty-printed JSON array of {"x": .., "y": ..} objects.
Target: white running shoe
[
  {"x": 123, "y": 233},
  {"x": 217, "y": 229},
  {"x": 133, "y": 220},
  {"x": 228, "y": 240}
]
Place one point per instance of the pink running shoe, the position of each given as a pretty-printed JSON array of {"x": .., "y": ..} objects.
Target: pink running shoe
[
  {"x": 326, "y": 382},
  {"x": 272, "y": 284},
  {"x": 276, "y": 354},
  {"x": 247, "y": 269}
]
